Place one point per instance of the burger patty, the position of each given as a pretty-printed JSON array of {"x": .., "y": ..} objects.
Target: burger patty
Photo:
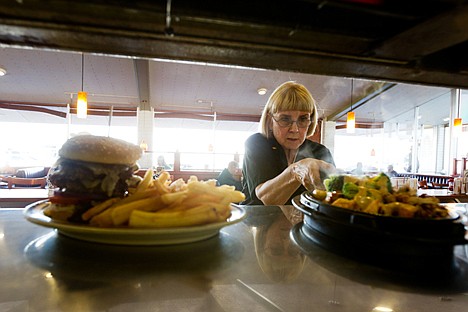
[{"x": 101, "y": 180}]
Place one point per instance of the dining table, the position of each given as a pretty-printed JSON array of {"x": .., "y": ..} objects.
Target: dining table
[
  {"x": 261, "y": 263},
  {"x": 444, "y": 195}
]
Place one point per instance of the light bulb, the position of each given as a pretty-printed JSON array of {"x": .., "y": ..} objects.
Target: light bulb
[
  {"x": 457, "y": 126},
  {"x": 82, "y": 105},
  {"x": 350, "y": 123}
]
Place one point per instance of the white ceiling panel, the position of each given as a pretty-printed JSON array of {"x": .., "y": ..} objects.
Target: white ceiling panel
[{"x": 46, "y": 77}]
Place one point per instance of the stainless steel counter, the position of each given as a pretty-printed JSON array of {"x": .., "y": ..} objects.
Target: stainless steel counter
[{"x": 249, "y": 266}]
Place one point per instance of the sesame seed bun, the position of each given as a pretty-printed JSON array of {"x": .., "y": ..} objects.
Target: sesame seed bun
[{"x": 100, "y": 149}]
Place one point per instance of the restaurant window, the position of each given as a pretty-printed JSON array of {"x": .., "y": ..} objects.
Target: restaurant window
[
  {"x": 432, "y": 120},
  {"x": 398, "y": 141},
  {"x": 416, "y": 141},
  {"x": 37, "y": 144},
  {"x": 124, "y": 128},
  {"x": 364, "y": 146},
  {"x": 202, "y": 149}
]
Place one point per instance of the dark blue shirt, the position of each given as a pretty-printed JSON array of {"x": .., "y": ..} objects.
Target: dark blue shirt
[
  {"x": 265, "y": 159},
  {"x": 225, "y": 177}
]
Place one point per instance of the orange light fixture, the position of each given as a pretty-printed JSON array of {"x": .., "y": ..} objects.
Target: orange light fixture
[
  {"x": 350, "y": 122},
  {"x": 457, "y": 126},
  {"x": 82, "y": 105},
  {"x": 351, "y": 119},
  {"x": 82, "y": 98},
  {"x": 457, "y": 122}
]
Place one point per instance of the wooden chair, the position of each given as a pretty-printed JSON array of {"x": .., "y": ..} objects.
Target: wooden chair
[
  {"x": 459, "y": 164},
  {"x": 3, "y": 182},
  {"x": 423, "y": 184},
  {"x": 14, "y": 182}
]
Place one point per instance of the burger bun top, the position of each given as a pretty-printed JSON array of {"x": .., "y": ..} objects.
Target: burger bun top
[{"x": 100, "y": 149}]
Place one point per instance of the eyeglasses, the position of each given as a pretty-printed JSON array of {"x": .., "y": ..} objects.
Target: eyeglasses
[{"x": 302, "y": 122}]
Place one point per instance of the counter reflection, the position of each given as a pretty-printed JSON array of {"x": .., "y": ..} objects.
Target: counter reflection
[{"x": 278, "y": 257}]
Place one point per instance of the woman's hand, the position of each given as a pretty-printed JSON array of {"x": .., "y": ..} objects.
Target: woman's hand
[
  {"x": 278, "y": 190},
  {"x": 307, "y": 171}
]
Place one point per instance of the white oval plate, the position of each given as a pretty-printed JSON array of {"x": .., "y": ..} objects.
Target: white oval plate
[{"x": 131, "y": 236}]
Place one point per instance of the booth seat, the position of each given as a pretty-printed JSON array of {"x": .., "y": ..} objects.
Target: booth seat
[
  {"x": 32, "y": 172},
  {"x": 28, "y": 177},
  {"x": 14, "y": 182}
]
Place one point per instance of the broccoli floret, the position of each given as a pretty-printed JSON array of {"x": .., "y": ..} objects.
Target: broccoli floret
[
  {"x": 350, "y": 190},
  {"x": 383, "y": 182},
  {"x": 334, "y": 183},
  {"x": 380, "y": 182}
]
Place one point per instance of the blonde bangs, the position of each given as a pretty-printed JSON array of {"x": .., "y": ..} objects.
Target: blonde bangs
[
  {"x": 290, "y": 96},
  {"x": 295, "y": 98}
]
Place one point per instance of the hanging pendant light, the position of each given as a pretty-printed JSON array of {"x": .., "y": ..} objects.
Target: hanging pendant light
[
  {"x": 82, "y": 98},
  {"x": 350, "y": 119},
  {"x": 457, "y": 126},
  {"x": 82, "y": 105},
  {"x": 457, "y": 122},
  {"x": 350, "y": 122}
]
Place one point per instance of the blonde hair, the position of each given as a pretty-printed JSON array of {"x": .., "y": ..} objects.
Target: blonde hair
[{"x": 289, "y": 96}]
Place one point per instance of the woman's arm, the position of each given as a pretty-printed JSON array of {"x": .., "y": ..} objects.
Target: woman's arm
[{"x": 278, "y": 190}]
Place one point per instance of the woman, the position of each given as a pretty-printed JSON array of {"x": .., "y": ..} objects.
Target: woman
[{"x": 280, "y": 163}]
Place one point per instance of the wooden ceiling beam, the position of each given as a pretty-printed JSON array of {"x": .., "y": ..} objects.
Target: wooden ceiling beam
[
  {"x": 439, "y": 33},
  {"x": 318, "y": 39}
]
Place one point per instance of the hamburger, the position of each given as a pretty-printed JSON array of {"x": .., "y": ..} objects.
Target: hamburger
[{"x": 90, "y": 169}]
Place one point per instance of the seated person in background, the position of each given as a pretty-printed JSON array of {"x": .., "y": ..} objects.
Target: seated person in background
[
  {"x": 280, "y": 162},
  {"x": 162, "y": 163},
  {"x": 231, "y": 176},
  {"x": 391, "y": 172},
  {"x": 358, "y": 170}
]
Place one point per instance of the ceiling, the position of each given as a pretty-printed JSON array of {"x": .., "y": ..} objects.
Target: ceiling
[
  {"x": 49, "y": 80},
  {"x": 212, "y": 57}
]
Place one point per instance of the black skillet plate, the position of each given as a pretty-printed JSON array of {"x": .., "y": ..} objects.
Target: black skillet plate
[
  {"x": 447, "y": 228},
  {"x": 393, "y": 241}
]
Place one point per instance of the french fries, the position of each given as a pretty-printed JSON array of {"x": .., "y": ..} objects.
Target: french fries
[
  {"x": 121, "y": 214},
  {"x": 205, "y": 213},
  {"x": 158, "y": 203}
]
